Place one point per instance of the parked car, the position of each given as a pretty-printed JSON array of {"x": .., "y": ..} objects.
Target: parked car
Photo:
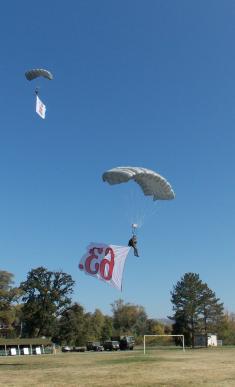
[
  {"x": 66, "y": 348},
  {"x": 79, "y": 349},
  {"x": 94, "y": 346},
  {"x": 125, "y": 342},
  {"x": 111, "y": 345}
]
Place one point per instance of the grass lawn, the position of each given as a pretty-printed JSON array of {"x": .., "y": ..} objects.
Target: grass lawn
[{"x": 207, "y": 367}]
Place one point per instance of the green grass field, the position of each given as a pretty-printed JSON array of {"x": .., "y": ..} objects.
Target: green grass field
[{"x": 207, "y": 367}]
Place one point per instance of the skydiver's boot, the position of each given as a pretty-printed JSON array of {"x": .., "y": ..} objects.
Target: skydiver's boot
[{"x": 136, "y": 254}]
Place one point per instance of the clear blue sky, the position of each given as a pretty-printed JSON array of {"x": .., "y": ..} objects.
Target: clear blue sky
[{"x": 143, "y": 83}]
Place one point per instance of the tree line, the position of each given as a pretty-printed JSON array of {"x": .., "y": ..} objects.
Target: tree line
[{"x": 42, "y": 306}]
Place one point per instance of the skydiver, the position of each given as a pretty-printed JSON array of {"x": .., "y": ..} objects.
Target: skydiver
[{"x": 132, "y": 243}]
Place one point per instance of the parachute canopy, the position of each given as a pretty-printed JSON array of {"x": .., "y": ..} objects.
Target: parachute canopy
[
  {"x": 151, "y": 183},
  {"x": 35, "y": 73}
]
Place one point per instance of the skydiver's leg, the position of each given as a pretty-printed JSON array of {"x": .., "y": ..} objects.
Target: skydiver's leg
[{"x": 136, "y": 254}]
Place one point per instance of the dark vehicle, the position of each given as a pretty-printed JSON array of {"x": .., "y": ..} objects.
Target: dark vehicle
[
  {"x": 94, "y": 346},
  {"x": 79, "y": 349},
  {"x": 66, "y": 348},
  {"x": 111, "y": 345},
  {"x": 125, "y": 342}
]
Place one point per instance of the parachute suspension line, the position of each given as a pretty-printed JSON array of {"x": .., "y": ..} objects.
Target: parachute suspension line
[
  {"x": 149, "y": 212},
  {"x": 134, "y": 227},
  {"x": 151, "y": 183},
  {"x": 129, "y": 202},
  {"x": 133, "y": 205},
  {"x": 140, "y": 207}
]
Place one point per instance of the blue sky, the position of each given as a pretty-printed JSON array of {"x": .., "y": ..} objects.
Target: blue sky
[{"x": 142, "y": 83}]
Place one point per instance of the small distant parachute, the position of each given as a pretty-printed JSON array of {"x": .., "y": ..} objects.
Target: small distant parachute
[
  {"x": 151, "y": 183},
  {"x": 30, "y": 76},
  {"x": 35, "y": 73}
]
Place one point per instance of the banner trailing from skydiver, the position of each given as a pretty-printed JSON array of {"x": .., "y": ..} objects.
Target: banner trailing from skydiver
[
  {"x": 40, "y": 108},
  {"x": 105, "y": 262}
]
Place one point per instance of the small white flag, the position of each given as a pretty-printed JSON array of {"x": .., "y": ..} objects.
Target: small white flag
[{"x": 40, "y": 108}]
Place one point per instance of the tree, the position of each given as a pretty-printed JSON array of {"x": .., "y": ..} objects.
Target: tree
[
  {"x": 211, "y": 311},
  {"x": 226, "y": 329},
  {"x": 128, "y": 318},
  {"x": 72, "y": 326},
  {"x": 96, "y": 324},
  {"x": 75, "y": 327},
  {"x": 9, "y": 295},
  {"x": 154, "y": 327},
  {"x": 195, "y": 307},
  {"x": 46, "y": 296},
  {"x": 107, "y": 328}
]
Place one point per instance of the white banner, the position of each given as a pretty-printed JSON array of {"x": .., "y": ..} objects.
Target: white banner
[
  {"x": 105, "y": 262},
  {"x": 40, "y": 108}
]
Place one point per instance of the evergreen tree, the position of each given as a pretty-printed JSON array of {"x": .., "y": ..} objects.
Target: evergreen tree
[
  {"x": 211, "y": 311},
  {"x": 196, "y": 308}
]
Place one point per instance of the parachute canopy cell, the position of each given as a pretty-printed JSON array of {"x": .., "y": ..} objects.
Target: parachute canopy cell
[
  {"x": 35, "y": 73},
  {"x": 151, "y": 183}
]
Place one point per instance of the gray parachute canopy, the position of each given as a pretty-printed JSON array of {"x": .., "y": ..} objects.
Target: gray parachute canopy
[
  {"x": 35, "y": 73},
  {"x": 151, "y": 183}
]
